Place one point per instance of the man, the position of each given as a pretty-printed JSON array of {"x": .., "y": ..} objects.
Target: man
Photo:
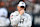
[
  {"x": 20, "y": 18},
  {"x": 4, "y": 21}
]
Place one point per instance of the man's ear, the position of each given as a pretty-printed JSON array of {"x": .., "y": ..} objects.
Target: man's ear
[{"x": 17, "y": 7}]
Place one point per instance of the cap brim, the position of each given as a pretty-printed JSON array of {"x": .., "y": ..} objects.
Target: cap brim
[{"x": 22, "y": 6}]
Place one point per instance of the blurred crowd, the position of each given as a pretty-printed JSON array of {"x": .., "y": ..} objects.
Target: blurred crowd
[{"x": 9, "y": 6}]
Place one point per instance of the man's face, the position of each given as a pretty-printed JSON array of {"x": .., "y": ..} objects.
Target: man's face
[{"x": 20, "y": 8}]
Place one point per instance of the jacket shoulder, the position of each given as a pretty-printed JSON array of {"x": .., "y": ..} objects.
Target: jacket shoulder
[
  {"x": 14, "y": 13},
  {"x": 27, "y": 15}
]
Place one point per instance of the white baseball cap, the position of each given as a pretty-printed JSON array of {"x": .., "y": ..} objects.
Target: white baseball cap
[
  {"x": 3, "y": 12},
  {"x": 21, "y": 3}
]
